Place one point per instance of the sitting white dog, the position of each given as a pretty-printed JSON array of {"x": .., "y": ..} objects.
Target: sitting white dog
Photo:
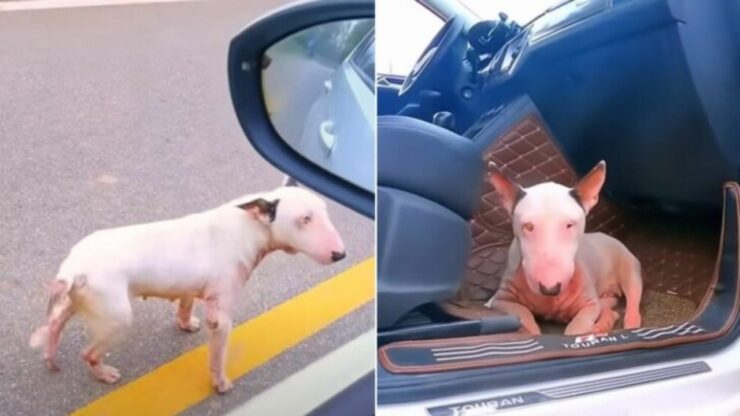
[{"x": 206, "y": 256}]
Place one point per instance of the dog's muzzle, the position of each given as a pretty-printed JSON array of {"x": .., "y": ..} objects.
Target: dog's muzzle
[
  {"x": 336, "y": 255},
  {"x": 550, "y": 291}
]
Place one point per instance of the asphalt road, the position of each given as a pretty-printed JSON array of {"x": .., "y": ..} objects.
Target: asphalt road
[{"x": 117, "y": 115}]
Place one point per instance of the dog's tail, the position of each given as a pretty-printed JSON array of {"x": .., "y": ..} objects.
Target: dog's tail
[{"x": 59, "y": 302}]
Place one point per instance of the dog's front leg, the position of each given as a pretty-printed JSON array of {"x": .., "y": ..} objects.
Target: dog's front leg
[
  {"x": 633, "y": 294},
  {"x": 512, "y": 308},
  {"x": 219, "y": 322},
  {"x": 585, "y": 319}
]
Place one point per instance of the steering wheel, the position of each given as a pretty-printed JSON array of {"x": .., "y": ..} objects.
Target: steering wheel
[{"x": 435, "y": 53}]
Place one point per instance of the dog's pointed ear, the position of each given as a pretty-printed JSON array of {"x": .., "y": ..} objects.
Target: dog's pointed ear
[
  {"x": 262, "y": 209},
  {"x": 510, "y": 191},
  {"x": 586, "y": 191}
]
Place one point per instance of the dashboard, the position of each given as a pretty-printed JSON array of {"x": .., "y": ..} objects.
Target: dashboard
[
  {"x": 625, "y": 80},
  {"x": 503, "y": 63}
]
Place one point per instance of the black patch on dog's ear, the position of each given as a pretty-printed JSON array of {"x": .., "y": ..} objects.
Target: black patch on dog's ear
[
  {"x": 520, "y": 194},
  {"x": 263, "y": 207},
  {"x": 574, "y": 194}
]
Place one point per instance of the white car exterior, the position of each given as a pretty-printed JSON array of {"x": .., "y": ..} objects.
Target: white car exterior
[{"x": 714, "y": 390}]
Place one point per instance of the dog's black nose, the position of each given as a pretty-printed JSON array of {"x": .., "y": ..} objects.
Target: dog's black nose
[
  {"x": 336, "y": 256},
  {"x": 550, "y": 291}
]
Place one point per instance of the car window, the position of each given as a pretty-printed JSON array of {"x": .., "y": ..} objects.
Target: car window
[
  {"x": 401, "y": 40},
  {"x": 363, "y": 60}
]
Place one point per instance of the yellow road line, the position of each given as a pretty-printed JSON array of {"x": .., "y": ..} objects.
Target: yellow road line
[{"x": 185, "y": 381}]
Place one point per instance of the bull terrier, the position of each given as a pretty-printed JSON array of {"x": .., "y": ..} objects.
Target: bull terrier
[
  {"x": 555, "y": 270},
  {"x": 208, "y": 256}
]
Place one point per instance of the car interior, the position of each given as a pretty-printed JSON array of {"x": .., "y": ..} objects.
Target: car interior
[{"x": 545, "y": 101}]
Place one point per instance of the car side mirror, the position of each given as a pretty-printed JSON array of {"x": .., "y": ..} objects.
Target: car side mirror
[{"x": 302, "y": 85}]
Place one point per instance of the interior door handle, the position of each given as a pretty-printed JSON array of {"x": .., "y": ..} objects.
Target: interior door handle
[{"x": 328, "y": 138}]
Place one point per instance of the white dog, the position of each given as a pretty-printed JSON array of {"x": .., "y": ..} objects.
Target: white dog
[
  {"x": 557, "y": 271},
  {"x": 206, "y": 256}
]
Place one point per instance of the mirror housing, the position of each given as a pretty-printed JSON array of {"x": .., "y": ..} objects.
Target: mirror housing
[{"x": 245, "y": 63}]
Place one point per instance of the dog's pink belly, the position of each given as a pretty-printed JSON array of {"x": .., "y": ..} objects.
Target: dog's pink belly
[
  {"x": 169, "y": 294},
  {"x": 184, "y": 284},
  {"x": 169, "y": 290}
]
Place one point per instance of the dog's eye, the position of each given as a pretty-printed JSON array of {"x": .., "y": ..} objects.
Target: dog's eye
[
  {"x": 569, "y": 225},
  {"x": 306, "y": 220},
  {"x": 528, "y": 226}
]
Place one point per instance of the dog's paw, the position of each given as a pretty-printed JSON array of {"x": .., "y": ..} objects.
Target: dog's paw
[
  {"x": 192, "y": 326},
  {"x": 223, "y": 385},
  {"x": 533, "y": 330},
  {"x": 51, "y": 364},
  {"x": 606, "y": 324},
  {"x": 106, "y": 373}
]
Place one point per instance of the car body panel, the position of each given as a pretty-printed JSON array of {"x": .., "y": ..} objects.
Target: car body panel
[
  {"x": 715, "y": 392},
  {"x": 341, "y": 124}
]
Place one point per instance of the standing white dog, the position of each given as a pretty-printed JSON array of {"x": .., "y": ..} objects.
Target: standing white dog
[{"x": 206, "y": 256}]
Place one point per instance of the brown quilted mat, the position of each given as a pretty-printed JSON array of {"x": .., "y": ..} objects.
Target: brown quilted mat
[
  {"x": 677, "y": 255},
  {"x": 658, "y": 308}
]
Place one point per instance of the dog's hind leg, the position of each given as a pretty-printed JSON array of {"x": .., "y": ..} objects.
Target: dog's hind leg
[
  {"x": 92, "y": 355},
  {"x": 59, "y": 311},
  {"x": 185, "y": 319},
  {"x": 608, "y": 317},
  {"x": 110, "y": 320},
  {"x": 56, "y": 326}
]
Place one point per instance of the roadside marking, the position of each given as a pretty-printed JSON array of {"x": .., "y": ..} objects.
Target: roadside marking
[
  {"x": 317, "y": 383},
  {"x": 185, "y": 381},
  {"x": 65, "y": 4}
]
